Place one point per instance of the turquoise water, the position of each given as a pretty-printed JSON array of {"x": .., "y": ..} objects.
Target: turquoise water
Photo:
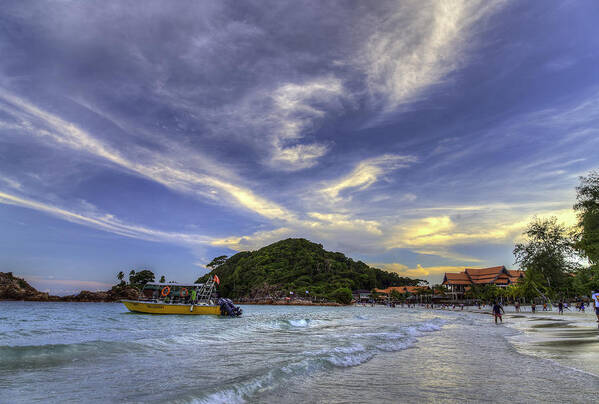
[{"x": 94, "y": 352}]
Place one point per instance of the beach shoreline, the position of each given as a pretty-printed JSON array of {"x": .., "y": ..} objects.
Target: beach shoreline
[{"x": 309, "y": 353}]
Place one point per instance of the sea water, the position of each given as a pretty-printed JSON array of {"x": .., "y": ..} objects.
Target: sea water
[{"x": 99, "y": 352}]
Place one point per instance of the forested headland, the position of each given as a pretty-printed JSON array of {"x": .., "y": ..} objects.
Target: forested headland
[{"x": 297, "y": 265}]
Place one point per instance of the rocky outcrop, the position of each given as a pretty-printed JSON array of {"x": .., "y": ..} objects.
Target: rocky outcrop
[
  {"x": 115, "y": 294},
  {"x": 13, "y": 288}
]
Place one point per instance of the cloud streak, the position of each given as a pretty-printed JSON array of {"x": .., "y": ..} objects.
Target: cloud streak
[
  {"x": 106, "y": 222},
  {"x": 157, "y": 167},
  {"x": 366, "y": 173}
]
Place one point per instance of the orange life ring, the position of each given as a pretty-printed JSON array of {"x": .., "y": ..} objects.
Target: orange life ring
[
  {"x": 167, "y": 289},
  {"x": 186, "y": 292}
]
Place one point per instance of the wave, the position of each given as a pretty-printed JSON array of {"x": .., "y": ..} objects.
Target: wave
[
  {"x": 343, "y": 356},
  {"x": 48, "y": 355},
  {"x": 287, "y": 324}
]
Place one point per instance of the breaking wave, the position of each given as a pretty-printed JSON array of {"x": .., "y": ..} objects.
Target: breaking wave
[{"x": 365, "y": 347}]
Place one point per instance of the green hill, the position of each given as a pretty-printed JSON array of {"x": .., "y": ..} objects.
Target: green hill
[{"x": 296, "y": 265}]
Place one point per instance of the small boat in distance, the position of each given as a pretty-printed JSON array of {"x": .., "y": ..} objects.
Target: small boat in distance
[{"x": 178, "y": 298}]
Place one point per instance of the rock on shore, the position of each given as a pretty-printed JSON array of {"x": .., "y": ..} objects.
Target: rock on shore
[{"x": 13, "y": 288}]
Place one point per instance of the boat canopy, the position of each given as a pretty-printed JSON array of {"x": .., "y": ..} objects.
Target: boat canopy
[{"x": 155, "y": 285}]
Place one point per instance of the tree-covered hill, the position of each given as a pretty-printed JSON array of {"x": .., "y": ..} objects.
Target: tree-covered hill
[{"x": 296, "y": 265}]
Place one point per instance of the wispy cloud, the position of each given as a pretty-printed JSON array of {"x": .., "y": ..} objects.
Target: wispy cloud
[
  {"x": 295, "y": 111},
  {"x": 11, "y": 183},
  {"x": 161, "y": 168},
  {"x": 418, "y": 44},
  {"x": 367, "y": 172},
  {"x": 107, "y": 222}
]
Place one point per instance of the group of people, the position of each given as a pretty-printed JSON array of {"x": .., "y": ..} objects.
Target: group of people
[{"x": 498, "y": 308}]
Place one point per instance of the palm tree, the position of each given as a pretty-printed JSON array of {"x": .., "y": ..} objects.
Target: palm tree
[
  {"x": 120, "y": 277},
  {"x": 532, "y": 285}
]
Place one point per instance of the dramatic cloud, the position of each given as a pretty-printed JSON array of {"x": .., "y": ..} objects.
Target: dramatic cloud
[
  {"x": 420, "y": 132},
  {"x": 161, "y": 168}
]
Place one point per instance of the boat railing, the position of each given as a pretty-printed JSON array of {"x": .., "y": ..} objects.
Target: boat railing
[{"x": 175, "y": 300}]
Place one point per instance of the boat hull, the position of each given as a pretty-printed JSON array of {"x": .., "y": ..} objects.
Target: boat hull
[{"x": 161, "y": 308}]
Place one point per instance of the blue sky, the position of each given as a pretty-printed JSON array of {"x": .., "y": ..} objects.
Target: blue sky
[{"x": 417, "y": 136}]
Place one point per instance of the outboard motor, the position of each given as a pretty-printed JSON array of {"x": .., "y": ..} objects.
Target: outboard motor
[{"x": 227, "y": 308}]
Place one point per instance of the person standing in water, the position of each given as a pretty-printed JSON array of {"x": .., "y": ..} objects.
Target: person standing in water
[
  {"x": 497, "y": 310},
  {"x": 533, "y": 307},
  {"x": 595, "y": 297},
  {"x": 560, "y": 307}
]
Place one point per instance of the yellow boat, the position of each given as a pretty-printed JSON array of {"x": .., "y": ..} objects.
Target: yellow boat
[
  {"x": 176, "y": 298},
  {"x": 170, "y": 308}
]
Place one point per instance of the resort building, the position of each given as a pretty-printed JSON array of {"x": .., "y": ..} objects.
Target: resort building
[
  {"x": 415, "y": 293},
  {"x": 361, "y": 295},
  {"x": 458, "y": 283},
  {"x": 414, "y": 290}
]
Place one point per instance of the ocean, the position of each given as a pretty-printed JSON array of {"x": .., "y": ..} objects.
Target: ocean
[{"x": 99, "y": 352}]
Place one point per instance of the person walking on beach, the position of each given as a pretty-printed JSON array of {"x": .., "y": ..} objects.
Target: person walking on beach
[
  {"x": 544, "y": 306},
  {"x": 533, "y": 307},
  {"x": 560, "y": 307},
  {"x": 517, "y": 306},
  {"x": 595, "y": 297},
  {"x": 497, "y": 309}
]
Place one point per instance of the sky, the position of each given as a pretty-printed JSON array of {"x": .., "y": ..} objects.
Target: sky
[{"x": 417, "y": 136}]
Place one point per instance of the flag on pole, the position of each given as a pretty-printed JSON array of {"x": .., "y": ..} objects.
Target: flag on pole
[{"x": 216, "y": 279}]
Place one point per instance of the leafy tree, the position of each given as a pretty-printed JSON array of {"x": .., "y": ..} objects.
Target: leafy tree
[
  {"x": 586, "y": 279},
  {"x": 513, "y": 292},
  {"x": 587, "y": 208},
  {"x": 162, "y": 279},
  {"x": 374, "y": 295},
  {"x": 439, "y": 290},
  {"x": 141, "y": 278},
  {"x": 396, "y": 296},
  {"x": 342, "y": 295},
  {"x": 217, "y": 262},
  {"x": 547, "y": 251},
  {"x": 120, "y": 276},
  {"x": 532, "y": 285}
]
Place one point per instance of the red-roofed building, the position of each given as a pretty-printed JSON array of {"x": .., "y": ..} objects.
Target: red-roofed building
[
  {"x": 515, "y": 275},
  {"x": 403, "y": 289},
  {"x": 459, "y": 282}
]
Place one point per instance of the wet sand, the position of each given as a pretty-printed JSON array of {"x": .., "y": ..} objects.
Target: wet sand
[
  {"x": 571, "y": 339},
  {"x": 469, "y": 360}
]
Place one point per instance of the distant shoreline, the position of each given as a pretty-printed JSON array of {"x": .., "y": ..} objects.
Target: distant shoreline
[
  {"x": 289, "y": 303},
  {"x": 263, "y": 303}
]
